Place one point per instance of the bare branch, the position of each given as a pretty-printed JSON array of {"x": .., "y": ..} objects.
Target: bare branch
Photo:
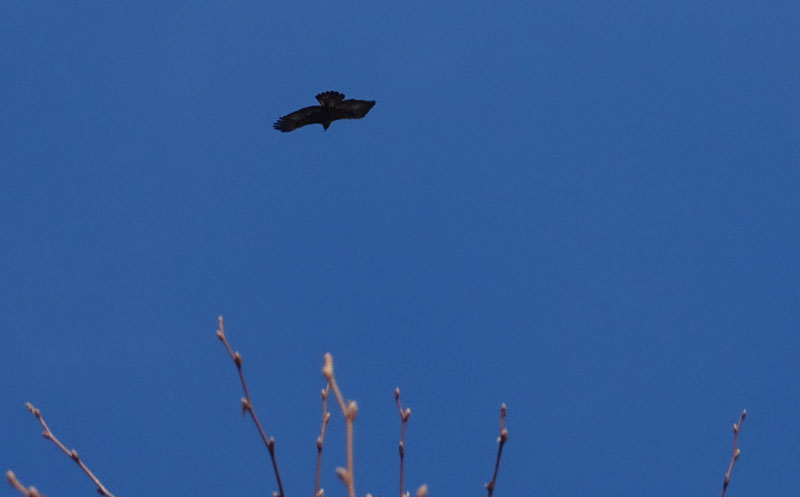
[
  {"x": 247, "y": 404},
  {"x": 73, "y": 454},
  {"x": 501, "y": 440},
  {"x": 349, "y": 411},
  {"x": 27, "y": 492},
  {"x": 736, "y": 452},
  {"x": 404, "y": 415},
  {"x": 326, "y": 416}
]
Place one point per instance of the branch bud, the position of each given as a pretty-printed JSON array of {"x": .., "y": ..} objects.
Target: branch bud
[
  {"x": 352, "y": 410},
  {"x": 327, "y": 368},
  {"x": 343, "y": 474}
]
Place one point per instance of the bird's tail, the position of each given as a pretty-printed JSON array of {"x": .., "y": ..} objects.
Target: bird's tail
[{"x": 330, "y": 98}]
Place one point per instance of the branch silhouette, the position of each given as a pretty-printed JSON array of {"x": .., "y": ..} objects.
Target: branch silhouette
[
  {"x": 26, "y": 491},
  {"x": 73, "y": 454},
  {"x": 735, "y": 454},
  {"x": 501, "y": 440},
  {"x": 404, "y": 415},
  {"x": 247, "y": 404}
]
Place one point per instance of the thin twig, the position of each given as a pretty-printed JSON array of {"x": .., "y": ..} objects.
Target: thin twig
[
  {"x": 247, "y": 404},
  {"x": 349, "y": 411},
  {"x": 73, "y": 454},
  {"x": 27, "y": 492},
  {"x": 501, "y": 440},
  {"x": 736, "y": 452},
  {"x": 404, "y": 415},
  {"x": 326, "y": 416}
]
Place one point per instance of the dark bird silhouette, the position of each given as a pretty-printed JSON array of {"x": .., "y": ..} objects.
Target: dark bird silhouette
[{"x": 332, "y": 106}]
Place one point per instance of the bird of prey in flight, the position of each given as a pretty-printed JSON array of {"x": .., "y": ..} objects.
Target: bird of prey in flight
[{"x": 332, "y": 106}]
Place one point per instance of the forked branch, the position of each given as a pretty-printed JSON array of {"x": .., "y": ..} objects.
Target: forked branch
[
  {"x": 501, "y": 440},
  {"x": 247, "y": 404},
  {"x": 735, "y": 454}
]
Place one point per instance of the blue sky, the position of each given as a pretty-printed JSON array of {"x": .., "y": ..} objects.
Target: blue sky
[{"x": 587, "y": 210}]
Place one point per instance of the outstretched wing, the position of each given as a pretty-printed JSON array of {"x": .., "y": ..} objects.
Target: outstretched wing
[
  {"x": 307, "y": 115},
  {"x": 329, "y": 98},
  {"x": 352, "y": 108},
  {"x": 333, "y": 107}
]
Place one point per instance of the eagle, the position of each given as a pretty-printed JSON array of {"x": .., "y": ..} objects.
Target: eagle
[{"x": 332, "y": 106}]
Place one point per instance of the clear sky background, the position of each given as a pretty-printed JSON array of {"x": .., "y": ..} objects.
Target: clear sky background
[{"x": 587, "y": 210}]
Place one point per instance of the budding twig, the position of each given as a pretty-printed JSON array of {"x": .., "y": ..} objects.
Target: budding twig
[
  {"x": 404, "y": 415},
  {"x": 73, "y": 454},
  {"x": 247, "y": 405},
  {"x": 349, "y": 411},
  {"x": 501, "y": 440},
  {"x": 326, "y": 416},
  {"x": 27, "y": 492},
  {"x": 736, "y": 452}
]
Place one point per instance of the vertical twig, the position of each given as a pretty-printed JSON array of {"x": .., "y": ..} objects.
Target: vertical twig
[
  {"x": 404, "y": 415},
  {"x": 247, "y": 404},
  {"x": 73, "y": 454},
  {"x": 501, "y": 440},
  {"x": 349, "y": 411},
  {"x": 736, "y": 452},
  {"x": 26, "y": 491},
  {"x": 326, "y": 416}
]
